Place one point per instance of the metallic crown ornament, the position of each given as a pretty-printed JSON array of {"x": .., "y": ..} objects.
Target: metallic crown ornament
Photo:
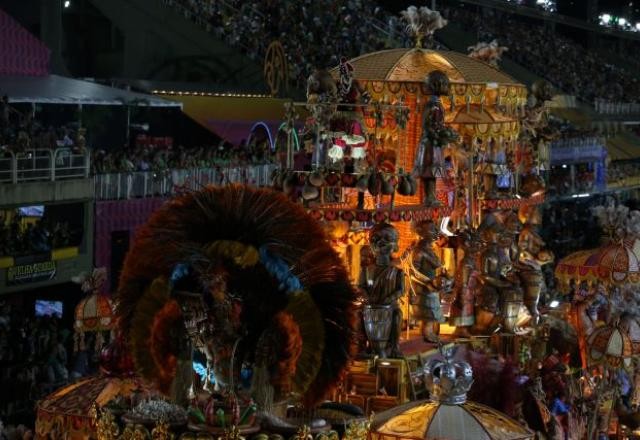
[{"x": 448, "y": 380}]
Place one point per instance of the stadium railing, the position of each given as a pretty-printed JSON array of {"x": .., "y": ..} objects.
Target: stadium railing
[
  {"x": 128, "y": 185},
  {"x": 39, "y": 164}
]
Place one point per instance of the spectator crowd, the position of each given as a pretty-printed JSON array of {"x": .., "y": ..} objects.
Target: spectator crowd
[
  {"x": 21, "y": 131},
  {"x": 568, "y": 65},
  {"x": 315, "y": 34},
  {"x": 28, "y": 238},
  {"x": 35, "y": 359},
  {"x": 161, "y": 159},
  {"x": 619, "y": 173}
]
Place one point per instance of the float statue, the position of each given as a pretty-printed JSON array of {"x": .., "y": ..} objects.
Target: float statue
[
  {"x": 383, "y": 284},
  {"x": 426, "y": 283}
]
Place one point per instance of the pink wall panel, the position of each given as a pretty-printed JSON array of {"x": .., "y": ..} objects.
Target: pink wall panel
[{"x": 119, "y": 215}]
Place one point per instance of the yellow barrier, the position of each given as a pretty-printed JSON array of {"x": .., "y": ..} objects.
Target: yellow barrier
[
  {"x": 64, "y": 253},
  {"x": 6, "y": 262}
]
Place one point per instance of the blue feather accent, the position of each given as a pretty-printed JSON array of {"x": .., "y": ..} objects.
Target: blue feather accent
[
  {"x": 279, "y": 269},
  {"x": 201, "y": 371},
  {"x": 180, "y": 271}
]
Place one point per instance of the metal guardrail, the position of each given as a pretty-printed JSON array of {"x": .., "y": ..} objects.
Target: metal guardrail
[
  {"x": 580, "y": 142},
  {"x": 139, "y": 184},
  {"x": 43, "y": 165},
  {"x": 617, "y": 108}
]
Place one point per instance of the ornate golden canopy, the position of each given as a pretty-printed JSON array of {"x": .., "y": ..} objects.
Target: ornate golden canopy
[
  {"x": 396, "y": 72},
  {"x": 413, "y": 65}
]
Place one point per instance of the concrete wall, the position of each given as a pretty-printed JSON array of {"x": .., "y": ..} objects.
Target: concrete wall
[{"x": 33, "y": 193}]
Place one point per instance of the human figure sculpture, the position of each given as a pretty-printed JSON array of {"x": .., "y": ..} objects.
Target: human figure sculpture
[
  {"x": 426, "y": 283},
  {"x": 493, "y": 278},
  {"x": 581, "y": 301},
  {"x": 532, "y": 257},
  {"x": 512, "y": 310},
  {"x": 383, "y": 282},
  {"x": 466, "y": 286},
  {"x": 435, "y": 135},
  {"x": 509, "y": 239}
]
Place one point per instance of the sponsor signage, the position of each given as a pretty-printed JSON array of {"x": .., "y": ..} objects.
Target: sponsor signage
[{"x": 31, "y": 273}]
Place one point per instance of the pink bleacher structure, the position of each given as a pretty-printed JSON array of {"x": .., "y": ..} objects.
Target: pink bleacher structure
[{"x": 22, "y": 53}]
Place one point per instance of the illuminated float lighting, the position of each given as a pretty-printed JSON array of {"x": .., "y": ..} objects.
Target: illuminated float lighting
[
  {"x": 444, "y": 227},
  {"x": 216, "y": 94},
  {"x": 580, "y": 195},
  {"x": 555, "y": 303}
]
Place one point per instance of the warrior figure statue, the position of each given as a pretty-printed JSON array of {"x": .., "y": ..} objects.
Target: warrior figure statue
[
  {"x": 426, "y": 284},
  {"x": 466, "y": 285},
  {"x": 494, "y": 280},
  {"x": 383, "y": 283},
  {"x": 435, "y": 136},
  {"x": 532, "y": 257}
]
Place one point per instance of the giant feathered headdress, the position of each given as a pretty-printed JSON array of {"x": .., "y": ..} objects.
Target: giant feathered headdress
[{"x": 292, "y": 302}]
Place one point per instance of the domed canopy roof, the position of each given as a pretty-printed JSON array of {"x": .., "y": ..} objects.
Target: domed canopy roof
[
  {"x": 433, "y": 420},
  {"x": 413, "y": 65}
]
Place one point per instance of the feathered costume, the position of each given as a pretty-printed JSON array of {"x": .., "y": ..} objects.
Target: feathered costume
[{"x": 287, "y": 292}]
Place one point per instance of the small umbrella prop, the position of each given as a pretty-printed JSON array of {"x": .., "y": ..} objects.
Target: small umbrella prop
[
  {"x": 579, "y": 266},
  {"x": 447, "y": 414},
  {"x": 614, "y": 264},
  {"x": 95, "y": 312},
  {"x": 631, "y": 327},
  {"x": 610, "y": 346},
  {"x": 619, "y": 263}
]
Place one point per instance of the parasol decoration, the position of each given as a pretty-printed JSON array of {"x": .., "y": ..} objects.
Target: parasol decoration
[
  {"x": 448, "y": 414},
  {"x": 610, "y": 345},
  {"x": 95, "y": 312},
  {"x": 619, "y": 263},
  {"x": 580, "y": 266},
  {"x": 614, "y": 263},
  {"x": 631, "y": 327}
]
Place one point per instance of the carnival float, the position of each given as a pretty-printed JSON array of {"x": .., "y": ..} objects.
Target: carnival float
[{"x": 391, "y": 284}]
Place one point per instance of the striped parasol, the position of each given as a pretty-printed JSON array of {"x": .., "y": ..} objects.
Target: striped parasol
[
  {"x": 620, "y": 263},
  {"x": 617, "y": 263},
  {"x": 610, "y": 345},
  {"x": 580, "y": 266}
]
